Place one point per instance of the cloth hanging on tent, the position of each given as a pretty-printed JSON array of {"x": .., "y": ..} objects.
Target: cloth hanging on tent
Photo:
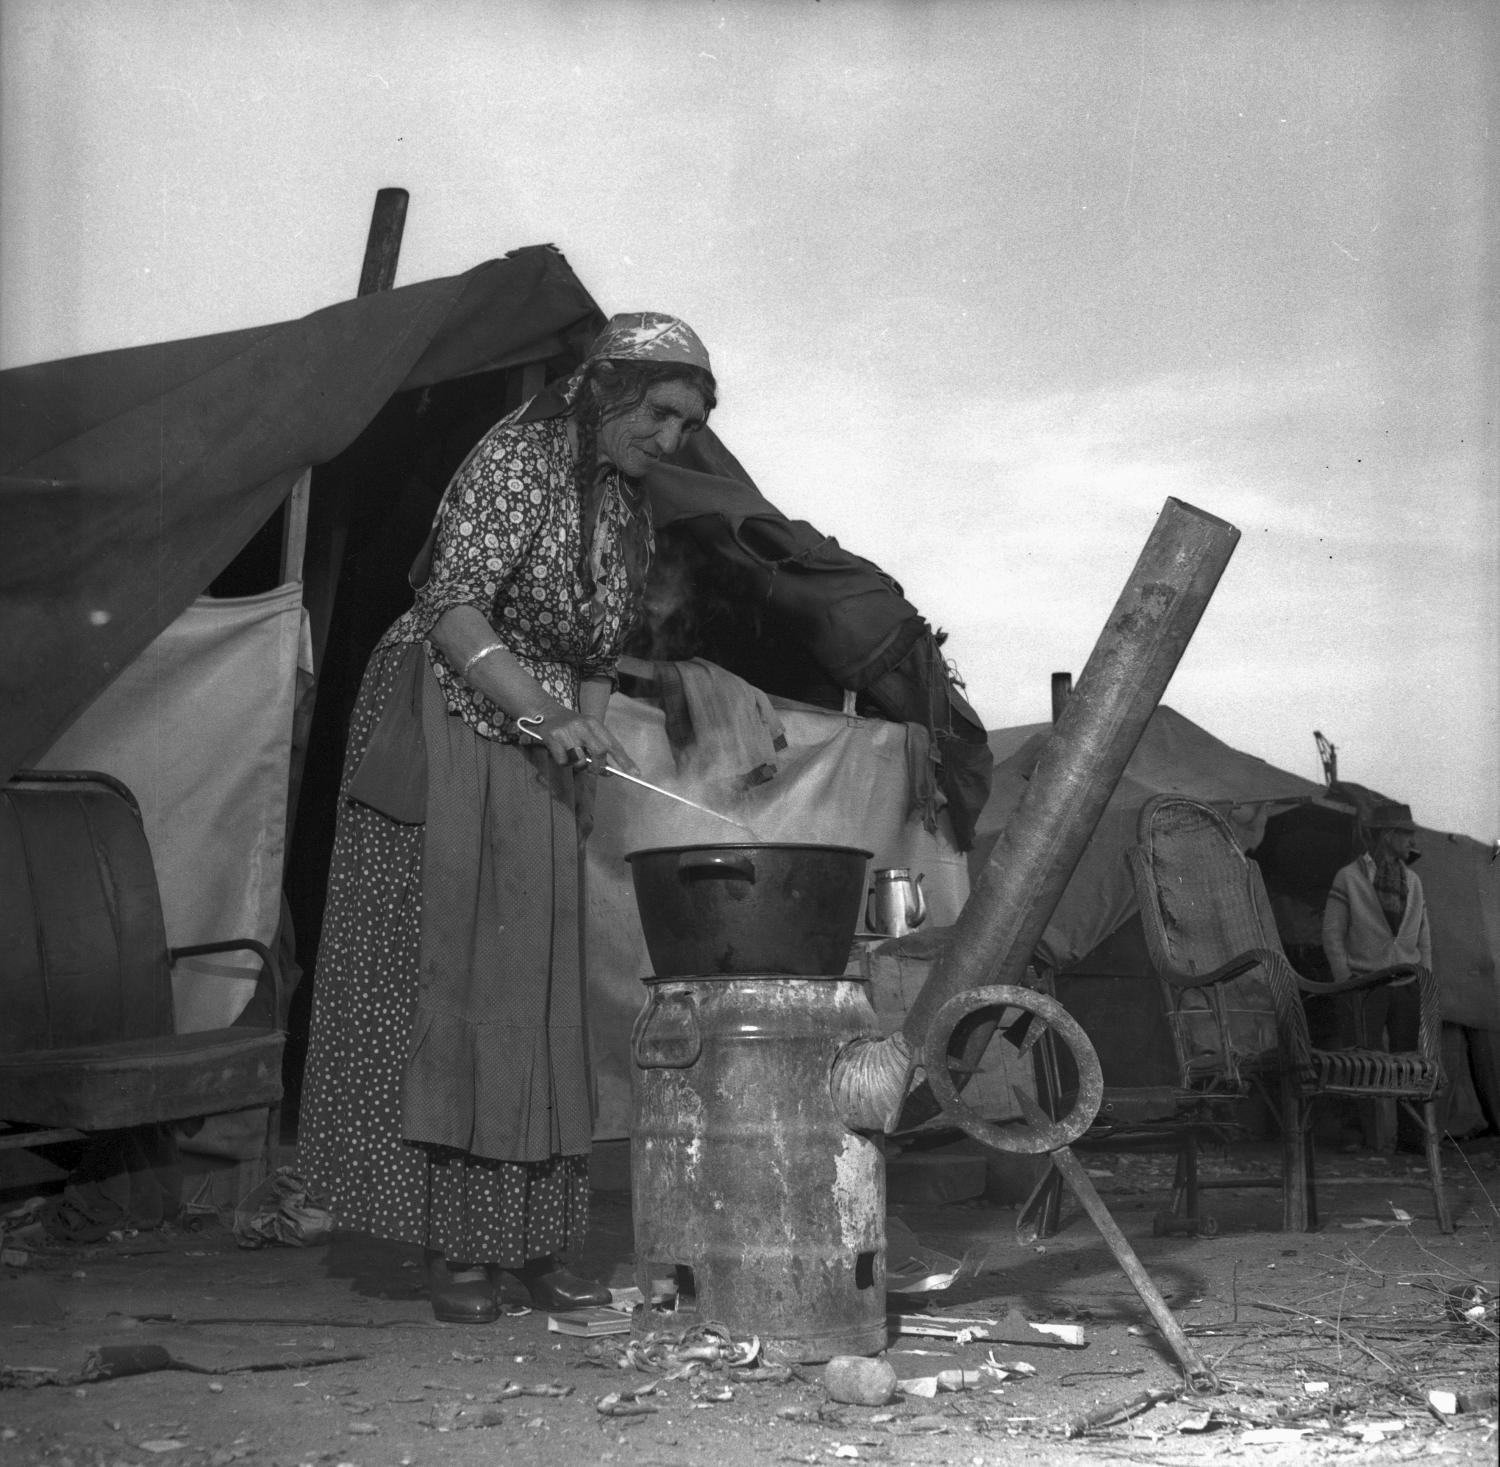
[
  {"x": 728, "y": 732},
  {"x": 199, "y": 728}
]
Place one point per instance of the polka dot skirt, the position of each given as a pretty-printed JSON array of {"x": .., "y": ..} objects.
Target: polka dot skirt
[{"x": 349, "y": 1141}]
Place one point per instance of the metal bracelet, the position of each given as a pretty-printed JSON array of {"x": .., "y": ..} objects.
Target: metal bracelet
[{"x": 481, "y": 653}]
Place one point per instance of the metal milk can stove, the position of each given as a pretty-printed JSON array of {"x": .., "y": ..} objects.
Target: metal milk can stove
[{"x": 748, "y": 1190}]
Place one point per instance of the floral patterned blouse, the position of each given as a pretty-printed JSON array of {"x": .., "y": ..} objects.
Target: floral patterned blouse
[{"x": 509, "y": 543}]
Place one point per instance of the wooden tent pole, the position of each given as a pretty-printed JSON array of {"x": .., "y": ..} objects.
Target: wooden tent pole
[
  {"x": 378, "y": 272},
  {"x": 294, "y": 529},
  {"x": 383, "y": 246},
  {"x": 320, "y": 586},
  {"x": 382, "y": 249}
]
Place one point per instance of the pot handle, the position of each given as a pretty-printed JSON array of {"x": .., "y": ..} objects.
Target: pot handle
[
  {"x": 730, "y": 863},
  {"x": 666, "y": 1035}
]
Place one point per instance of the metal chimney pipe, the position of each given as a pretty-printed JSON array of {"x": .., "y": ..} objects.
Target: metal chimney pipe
[{"x": 1080, "y": 765}]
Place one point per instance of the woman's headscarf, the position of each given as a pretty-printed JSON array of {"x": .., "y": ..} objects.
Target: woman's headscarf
[
  {"x": 648, "y": 336},
  {"x": 632, "y": 336}
]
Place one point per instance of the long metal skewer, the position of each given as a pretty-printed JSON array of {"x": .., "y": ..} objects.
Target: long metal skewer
[
  {"x": 606, "y": 768},
  {"x": 681, "y": 799}
]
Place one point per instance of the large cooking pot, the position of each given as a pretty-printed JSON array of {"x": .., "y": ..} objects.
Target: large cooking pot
[{"x": 751, "y": 908}]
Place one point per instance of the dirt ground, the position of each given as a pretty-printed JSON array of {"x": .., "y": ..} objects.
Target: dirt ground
[{"x": 1326, "y": 1345}]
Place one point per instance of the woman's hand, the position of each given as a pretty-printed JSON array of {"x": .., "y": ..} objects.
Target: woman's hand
[{"x": 574, "y": 738}]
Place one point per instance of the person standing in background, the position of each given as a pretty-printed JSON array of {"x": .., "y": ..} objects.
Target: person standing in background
[{"x": 1376, "y": 917}]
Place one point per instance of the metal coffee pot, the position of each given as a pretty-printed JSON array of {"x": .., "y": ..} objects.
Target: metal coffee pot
[{"x": 896, "y": 903}]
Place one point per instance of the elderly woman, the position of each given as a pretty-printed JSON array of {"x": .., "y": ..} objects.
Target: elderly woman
[{"x": 447, "y": 1097}]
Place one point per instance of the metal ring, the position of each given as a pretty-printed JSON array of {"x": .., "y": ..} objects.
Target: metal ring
[{"x": 1032, "y": 1139}]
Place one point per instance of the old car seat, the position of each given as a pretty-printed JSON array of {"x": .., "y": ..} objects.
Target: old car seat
[{"x": 87, "y": 1040}]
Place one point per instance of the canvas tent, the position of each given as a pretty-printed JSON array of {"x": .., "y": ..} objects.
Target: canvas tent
[
  {"x": 1299, "y": 831},
  {"x": 145, "y": 577}
]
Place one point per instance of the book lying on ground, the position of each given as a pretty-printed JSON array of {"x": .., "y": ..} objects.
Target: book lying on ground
[
  {"x": 1010, "y": 1330},
  {"x": 600, "y": 1319}
]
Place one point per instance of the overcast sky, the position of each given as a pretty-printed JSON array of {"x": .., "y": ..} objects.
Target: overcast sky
[{"x": 984, "y": 283}]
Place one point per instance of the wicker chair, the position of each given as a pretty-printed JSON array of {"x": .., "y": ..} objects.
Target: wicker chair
[{"x": 1235, "y": 1003}]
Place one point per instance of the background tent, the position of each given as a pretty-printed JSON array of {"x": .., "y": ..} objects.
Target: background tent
[{"x": 1300, "y": 832}]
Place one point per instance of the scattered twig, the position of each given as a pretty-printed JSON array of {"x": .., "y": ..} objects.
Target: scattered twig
[
  {"x": 1475, "y": 1175},
  {"x": 1335, "y": 1328},
  {"x": 1120, "y": 1411},
  {"x": 513, "y": 1388},
  {"x": 1074, "y": 1376},
  {"x": 111, "y": 1362},
  {"x": 281, "y": 1321}
]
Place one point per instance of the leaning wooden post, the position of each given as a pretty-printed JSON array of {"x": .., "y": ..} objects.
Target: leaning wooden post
[{"x": 1080, "y": 765}]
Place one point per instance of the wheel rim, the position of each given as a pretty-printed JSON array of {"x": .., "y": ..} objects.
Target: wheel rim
[{"x": 1033, "y": 1138}]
